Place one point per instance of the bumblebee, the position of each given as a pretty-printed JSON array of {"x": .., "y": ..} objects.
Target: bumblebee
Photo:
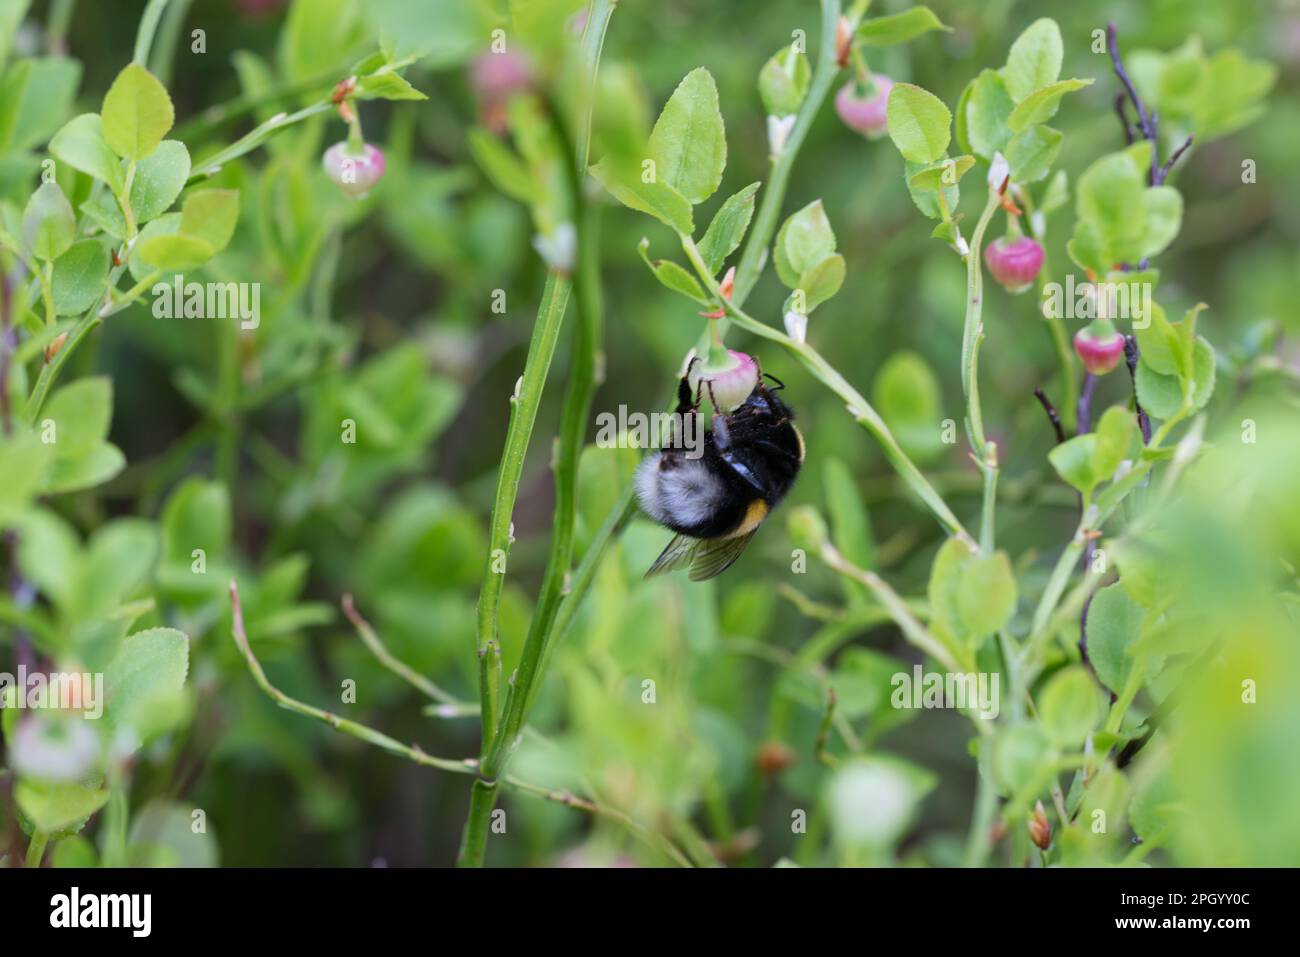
[{"x": 716, "y": 501}]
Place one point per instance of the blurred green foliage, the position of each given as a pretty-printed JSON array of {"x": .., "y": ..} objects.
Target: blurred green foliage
[{"x": 191, "y": 451}]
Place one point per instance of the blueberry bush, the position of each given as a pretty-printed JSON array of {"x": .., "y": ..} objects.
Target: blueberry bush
[{"x": 324, "y": 325}]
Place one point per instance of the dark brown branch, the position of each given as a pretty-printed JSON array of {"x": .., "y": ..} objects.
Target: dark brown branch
[
  {"x": 1173, "y": 158},
  {"x": 1052, "y": 414},
  {"x": 1120, "y": 98}
]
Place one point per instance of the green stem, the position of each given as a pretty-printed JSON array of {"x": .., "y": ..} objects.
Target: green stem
[
  {"x": 353, "y": 728},
  {"x": 915, "y": 632},
  {"x": 754, "y": 255},
  {"x": 56, "y": 26},
  {"x": 578, "y": 397},
  {"x": 973, "y": 329},
  {"x": 36, "y": 849},
  {"x": 47, "y": 291},
  {"x": 148, "y": 24},
  {"x": 978, "y": 841},
  {"x": 51, "y": 369},
  {"x": 385, "y": 657},
  {"x": 524, "y": 405},
  {"x": 255, "y": 138},
  {"x": 164, "y": 49},
  {"x": 473, "y": 844},
  {"x": 500, "y": 733}
]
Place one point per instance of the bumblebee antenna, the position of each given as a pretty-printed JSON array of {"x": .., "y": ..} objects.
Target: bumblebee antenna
[{"x": 779, "y": 383}]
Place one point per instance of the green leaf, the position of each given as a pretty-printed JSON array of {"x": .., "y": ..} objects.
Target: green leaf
[
  {"x": 899, "y": 27},
  {"x": 1041, "y": 106},
  {"x": 688, "y": 142},
  {"x": 850, "y": 523},
  {"x": 49, "y": 224},
  {"x": 1114, "y": 622},
  {"x": 102, "y": 210},
  {"x": 821, "y": 281},
  {"x": 1056, "y": 195},
  {"x": 137, "y": 113},
  {"x": 171, "y": 252},
  {"x": 805, "y": 239},
  {"x": 1019, "y": 752},
  {"x": 673, "y": 276},
  {"x": 1162, "y": 395},
  {"x": 148, "y": 672},
  {"x": 918, "y": 123},
  {"x": 1031, "y": 153},
  {"x": 42, "y": 99},
  {"x": 1072, "y": 460},
  {"x": 1116, "y": 433},
  {"x": 927, "y": 201},
  {"x": 58, "y": 809},
  {"x": 1232, "y": 94},
  {"x": 986, "y": 110},
  {"x": 1070, "y": 707},
  {"x": 783, "y": 81},
  {"x": 71, "y": 475},
  {"x": 23, "y": 461},
  {"x": 941, "y": 175},
  {"x": 1163, "y": 213},
  {"x": 80, "y": 277},
  {"x": 657, "y": 198},
  {"x": 319, "y": 35},
  {"x": 971, "y": 595},
  {"x": 117, "y": 562},
  {"x": 1034, "y": 60},
  {"x": 504, "y": 167},
  {"x": 1108, "y": 194},
  {"x": 159, "y": 179},
  {"x": 728, "y": 228},
  {"x": 907, "y": 393},
  {"x": 163, "y": 835},
  {"x": 210, "y": 215},
  {"x": 81, "y": 412},
  {"x": 986, "y": 594},
  {"x": 1154, "y": 809},
  {"x": 387, "y": 84}
]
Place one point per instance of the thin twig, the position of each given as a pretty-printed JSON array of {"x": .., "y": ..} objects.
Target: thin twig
[
  {"x": 1131, "y": 355},
  {"x": 353, "y": 728},
  {"x": 399, "y": 668},
  {"x": 1173, "y": 157},
  {"x": 1052, "y": 415},
  {"x": 1146, "y": 121},
  {"x": 1123, "y": 118},
  {"x": 824, "y": 732}
]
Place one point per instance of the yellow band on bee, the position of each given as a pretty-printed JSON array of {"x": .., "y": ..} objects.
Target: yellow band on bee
[{"x": 754, "y": 516}]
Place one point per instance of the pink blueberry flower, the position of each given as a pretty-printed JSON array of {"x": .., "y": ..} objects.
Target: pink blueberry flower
[
  {"x": 1099, "y": 346},
  {"x": 1014, "y": 264},
  {"x": 862, "y": 106},
  {"x": 354, "y": 173},
  {"x": 730, "y": 385}
]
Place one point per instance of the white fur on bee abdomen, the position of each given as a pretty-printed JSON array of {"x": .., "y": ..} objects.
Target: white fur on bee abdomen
[{"x": 683, "y": 495}]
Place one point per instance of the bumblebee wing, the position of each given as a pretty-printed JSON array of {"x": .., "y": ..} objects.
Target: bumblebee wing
[
  {"x": 677, "y": 555},
  {"x": 713, "y": 556}
]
